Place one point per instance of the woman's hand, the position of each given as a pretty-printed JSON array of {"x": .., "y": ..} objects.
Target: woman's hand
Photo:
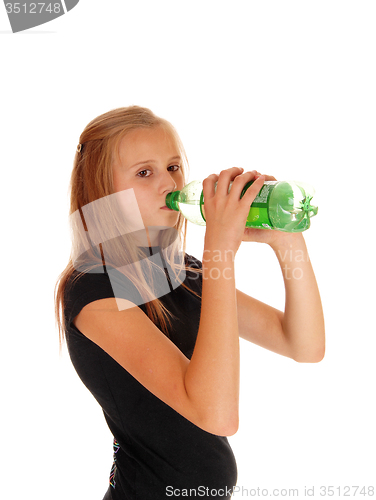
[{"x": 225, "y": 212}]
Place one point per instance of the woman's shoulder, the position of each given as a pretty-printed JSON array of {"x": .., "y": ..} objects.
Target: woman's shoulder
[
  {"x": 81, "y": 281},
  {"x": 94, "y": 284}
]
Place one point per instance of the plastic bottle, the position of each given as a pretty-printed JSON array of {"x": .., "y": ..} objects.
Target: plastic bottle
[{"x": 282, "y": 205}]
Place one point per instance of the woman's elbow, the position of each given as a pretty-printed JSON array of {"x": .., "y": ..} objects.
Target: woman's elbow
[
  {"x": 311, "y": 357},
  {"x": 226, "y": 426}
]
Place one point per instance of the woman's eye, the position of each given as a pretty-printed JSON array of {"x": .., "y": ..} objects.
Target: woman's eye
[
  {"x": 142, "y": 172},
  {"x": 147, "y": 173}
]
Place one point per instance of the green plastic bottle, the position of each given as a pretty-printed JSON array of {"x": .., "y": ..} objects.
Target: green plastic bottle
[{"x": 282, "y": 205}]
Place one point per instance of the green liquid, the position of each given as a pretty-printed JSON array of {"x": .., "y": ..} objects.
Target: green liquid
[{"x": 258, "y": 217}]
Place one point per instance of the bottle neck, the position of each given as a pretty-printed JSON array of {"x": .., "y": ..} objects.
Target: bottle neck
[{"x": 172, "y": 200}]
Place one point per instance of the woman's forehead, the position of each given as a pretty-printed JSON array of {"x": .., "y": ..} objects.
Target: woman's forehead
[{"x": 137, "y": 143}]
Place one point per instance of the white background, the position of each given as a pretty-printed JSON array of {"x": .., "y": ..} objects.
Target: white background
[{"x": 286, "y": 87}]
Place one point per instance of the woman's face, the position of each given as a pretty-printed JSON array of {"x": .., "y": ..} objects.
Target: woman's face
[{"x": 150, "y": 163}]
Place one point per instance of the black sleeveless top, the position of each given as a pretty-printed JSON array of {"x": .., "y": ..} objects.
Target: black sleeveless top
[{"x": 158, "y": 453}]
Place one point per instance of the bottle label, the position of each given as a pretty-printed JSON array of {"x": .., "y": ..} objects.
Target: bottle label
[
  {"x": 258, "y": 216},
  {"x": 262, "y": 196}
]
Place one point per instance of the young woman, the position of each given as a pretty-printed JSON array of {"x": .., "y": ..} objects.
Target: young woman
[{"x": 152, "y": 332}]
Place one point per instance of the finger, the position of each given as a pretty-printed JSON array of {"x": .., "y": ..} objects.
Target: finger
[
  {"x": 240, "y": 181},
  {"x": 253, "y": 190},
  {"x": 225, "y": 177},
  {"x": 208, "y": 186},
  {"x": 267, "y": 177}
]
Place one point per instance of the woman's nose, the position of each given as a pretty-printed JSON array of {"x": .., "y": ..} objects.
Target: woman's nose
[{"x": 168, "y": 183}]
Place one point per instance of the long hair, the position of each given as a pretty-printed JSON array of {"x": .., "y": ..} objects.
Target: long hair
[{"x": 92, "y": 181}]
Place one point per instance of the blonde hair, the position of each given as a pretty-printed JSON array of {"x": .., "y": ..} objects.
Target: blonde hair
[{"x": 91, "y": 180}]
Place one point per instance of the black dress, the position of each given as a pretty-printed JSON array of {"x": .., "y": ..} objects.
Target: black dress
[{"x": 158, "y": 453}]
